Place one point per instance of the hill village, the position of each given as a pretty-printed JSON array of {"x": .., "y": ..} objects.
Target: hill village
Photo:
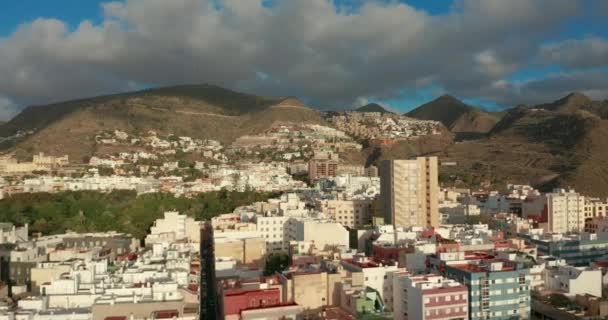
[{"x": 339, "y": 240}]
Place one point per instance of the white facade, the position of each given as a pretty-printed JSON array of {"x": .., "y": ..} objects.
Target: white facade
[
  {"x": 375, "y": 275},
  {"x": 275, "y": 231},
  {"x": 565, "y": 210},
  {"x": 174, "y": 226},
  {"x": 573, "y": 281},
  {"x": 322, "y": 233}
]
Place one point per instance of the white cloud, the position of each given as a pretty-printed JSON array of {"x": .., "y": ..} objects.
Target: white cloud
[{"x": 308, "y": 48}]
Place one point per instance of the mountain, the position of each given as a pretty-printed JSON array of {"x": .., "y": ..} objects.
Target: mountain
[
  {"x": 199, "y": 111},
  {"x": 570, "y": 103},
  {"x": 457, "y": 116},
  {"x": 577, "y": 102},
  {"x": 372, "y": 107},
  {"x": 560, "y": 144}
]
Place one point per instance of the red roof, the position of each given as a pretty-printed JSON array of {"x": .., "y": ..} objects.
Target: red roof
[{"x": 166, "y": 314}]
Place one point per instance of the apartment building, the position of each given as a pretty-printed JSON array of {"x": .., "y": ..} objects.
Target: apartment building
[
  {"x": 576, "y": 249},
  {"x": 429, "y": 297},
  {"x": 565, "y": 211},
  {"x": 349, "y": 213},
  {"x": 573, "y": 281},
  {"x": 376, "y": 275},
  {"x": 322, "y": 233},
  {"x": 174, "y": 226},
  {"x": 322, "y": 168},
  {"x": 275, "y": 230},
  {"x": 498, "y": 289},
  {"x": 409, "y": 192}
]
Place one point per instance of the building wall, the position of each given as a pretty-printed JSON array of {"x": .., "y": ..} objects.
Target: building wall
[
  {"x": 321, "y": 168},
  {"x": 43, "y": 274},
  {"x": 566, "y": 211},
  {"x": 349, "y": 213},
  {"x": 138, "y": 310},
  {"x": 310, "y": 290},
  {"x": 276, "y": 233},
  {"x": 409, "y": 192},
  {"x": 249, "y": 251},
  {"x": 237, "y": 300},
  {"x": 498, "y": 295},
  {"x": 322, "y": 233},
  {"x": 429, "y": 297}
]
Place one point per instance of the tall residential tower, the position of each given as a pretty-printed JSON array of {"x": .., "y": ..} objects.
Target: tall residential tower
[
  {"x": 210, "y": 300},
  {"x": 408, "y": 192}
]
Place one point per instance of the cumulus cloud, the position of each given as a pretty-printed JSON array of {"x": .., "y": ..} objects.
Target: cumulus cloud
[
  {"x": 7, "y": 109},
  {"x": 586, "y": 53},
  {"x": 326, "y": 53}
]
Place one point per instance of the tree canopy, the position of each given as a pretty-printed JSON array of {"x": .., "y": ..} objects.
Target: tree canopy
[{"x": 122, "y": 211}]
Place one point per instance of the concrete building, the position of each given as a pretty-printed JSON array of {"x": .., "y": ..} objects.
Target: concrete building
[
  {"x": 322, "y": 233},
  {"x": 246, "y": 251},
  {"x": 497, "y": 289},
  {"x": 429, "y": 297},
  {"x": 275, "y": 230},
  {"x": 409, "y": 191},
  {"x": 9, "y": 233},
  {"x": 349, "y": 213},
  {"x": 573, "y": 281},
  {"x": 565, "y": 211},
  {"x": 322, "y": 168},
  {"x": 237, "y": 300},
  {"x": 577, "y": 249},
  {"x": 376, "y": 275},
  {"x": 172, "y": 227}
]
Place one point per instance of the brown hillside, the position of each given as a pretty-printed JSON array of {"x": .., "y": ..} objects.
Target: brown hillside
[
  {"x": 222, "y": 117},
  {"x": 538, "y": 147},
  {"x": 455, "y": 115}
]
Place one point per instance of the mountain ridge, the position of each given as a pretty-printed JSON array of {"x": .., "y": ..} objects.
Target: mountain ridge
[
  {"x": 372, "y": 107},
  {"x": 456, "y": 115}
]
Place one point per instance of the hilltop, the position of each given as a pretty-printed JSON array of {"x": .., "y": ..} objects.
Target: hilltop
[
  {"x": 577, "y": 102},
  {"x": 554, "y": 144},
  {"x": 198, "y": 111},
  {"x": 457, "y": 116},
  {"x": 372, "y": 107}
]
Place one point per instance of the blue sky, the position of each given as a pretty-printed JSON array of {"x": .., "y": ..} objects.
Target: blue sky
[{"x": 397, "y": 55}]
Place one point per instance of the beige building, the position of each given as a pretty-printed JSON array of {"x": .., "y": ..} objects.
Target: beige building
[
  {"x": 316, "y": 289},
  {"x": 349, "y": 213},
  {"x": 141, "y": 310},
  {"x": 409, "y": 192},
  {"x": 248, "y": 251},
  {"x": 565, "y": 211},
  {"x": 46, "y": 272}
]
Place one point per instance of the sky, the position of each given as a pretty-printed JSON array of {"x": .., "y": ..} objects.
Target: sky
[{"x": 330, "y": 53}]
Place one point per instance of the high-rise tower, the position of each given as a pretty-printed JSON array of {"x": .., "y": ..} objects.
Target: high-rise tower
[{"x": 210, "y": 306}]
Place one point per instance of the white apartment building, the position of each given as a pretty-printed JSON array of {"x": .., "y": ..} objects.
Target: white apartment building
[
  {"x": 429, "y": 296},
  {"x": 9, "y": 233},
  {"x": 572, "y": 281},
  {"x": 376, "y": 275},
  {"x": 174, "y": 226},
  {"x": 565, "y": 211},
  {"x": 275, "y": 230},
  {"x": 322, "y": 233}
]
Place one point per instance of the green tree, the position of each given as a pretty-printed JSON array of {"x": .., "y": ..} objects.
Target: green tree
[{"x": 276, "y": 262}]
